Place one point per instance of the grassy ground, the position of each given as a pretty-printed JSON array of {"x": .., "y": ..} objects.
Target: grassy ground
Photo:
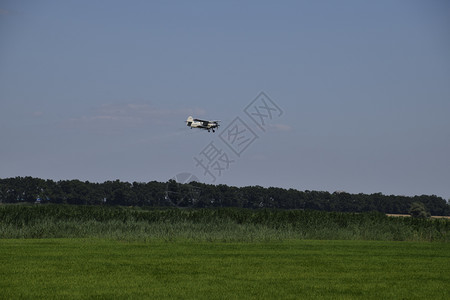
[{"x": 180, "y": 269}]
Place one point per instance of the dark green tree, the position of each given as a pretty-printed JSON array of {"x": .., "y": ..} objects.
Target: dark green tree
[{"x": 418, "y": 210}]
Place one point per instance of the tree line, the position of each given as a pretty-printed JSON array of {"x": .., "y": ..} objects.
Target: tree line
[{"x": 200, "y": 195}]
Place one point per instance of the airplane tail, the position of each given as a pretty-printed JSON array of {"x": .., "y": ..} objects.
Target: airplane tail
[{"x": 189, "y": 121}]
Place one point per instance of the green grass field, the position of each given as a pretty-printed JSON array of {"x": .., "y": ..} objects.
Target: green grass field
[
  {"x": 60, "y": 251},
  {"x": 290, "y": 269}
]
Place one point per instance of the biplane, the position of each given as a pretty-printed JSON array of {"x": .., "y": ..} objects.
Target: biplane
[{"x": 202, "y": 124}]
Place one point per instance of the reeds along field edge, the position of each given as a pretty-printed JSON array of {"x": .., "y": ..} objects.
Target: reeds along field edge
[{"x": 223, "y": 224}]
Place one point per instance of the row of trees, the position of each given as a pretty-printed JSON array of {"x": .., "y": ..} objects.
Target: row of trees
[{"x": 195, "y": 194}]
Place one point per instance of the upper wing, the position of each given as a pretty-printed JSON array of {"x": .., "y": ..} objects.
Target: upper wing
[
  {"x": 198, "y": 120},
  {"x": 204, "y": 122},
  {"x": 207, "y": 124}
]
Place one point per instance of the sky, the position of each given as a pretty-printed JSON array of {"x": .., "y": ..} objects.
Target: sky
[{"x": 312, "y": 95}]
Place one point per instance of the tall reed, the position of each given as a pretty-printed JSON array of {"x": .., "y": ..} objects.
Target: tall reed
[{"x": 223, "y": 224}]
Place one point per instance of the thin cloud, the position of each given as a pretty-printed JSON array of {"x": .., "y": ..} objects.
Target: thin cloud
[
  {"x": 143, "y": 113},
  {"x": 280, "y": 127},
  {"x": 259, "y": 157},
  {"x": 133, "y": 115},
  {"x": 4, "y": 12}
]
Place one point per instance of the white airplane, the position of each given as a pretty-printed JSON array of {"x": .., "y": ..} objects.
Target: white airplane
[{"x": 203, "y": 124}]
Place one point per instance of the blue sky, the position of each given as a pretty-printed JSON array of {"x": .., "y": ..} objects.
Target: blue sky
[{"x": 100, "y": 90}]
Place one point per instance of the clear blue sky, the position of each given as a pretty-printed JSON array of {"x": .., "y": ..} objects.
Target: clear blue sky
[{"x": 100, "y": 90}]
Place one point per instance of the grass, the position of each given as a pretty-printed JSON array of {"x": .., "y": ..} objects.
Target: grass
[
  {"x": 79, "y": 252},
  {"x": 231, "y": 225},
  {"x": 180, "y": 269}
]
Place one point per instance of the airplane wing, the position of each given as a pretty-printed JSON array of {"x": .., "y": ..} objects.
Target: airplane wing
[
  {"x": 204, "y": 122},
  {"x": 198, "y": 120}
]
